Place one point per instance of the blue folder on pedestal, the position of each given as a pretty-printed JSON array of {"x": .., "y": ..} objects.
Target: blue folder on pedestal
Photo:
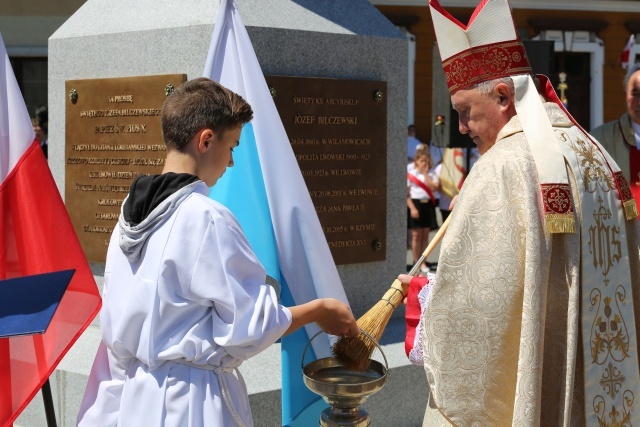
[{"x": 27, "y": 304}]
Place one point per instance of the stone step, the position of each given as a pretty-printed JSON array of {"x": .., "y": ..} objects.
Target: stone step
[{"x": 401, "y": 402}]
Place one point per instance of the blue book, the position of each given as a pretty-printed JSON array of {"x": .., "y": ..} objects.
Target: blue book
[{"x": 27, "y": 304}]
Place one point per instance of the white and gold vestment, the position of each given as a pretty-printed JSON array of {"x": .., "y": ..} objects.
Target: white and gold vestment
[{"x": 528, "y": 328}]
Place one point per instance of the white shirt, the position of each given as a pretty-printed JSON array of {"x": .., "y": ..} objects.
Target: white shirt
[
  {"x": 197, "y": 294},
  {"x": 415, "y": 191}
]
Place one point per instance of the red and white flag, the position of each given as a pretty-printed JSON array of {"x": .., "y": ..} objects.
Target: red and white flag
[
  {"x": 624, "y": 56},
  {"x": 36, "y": 236}
]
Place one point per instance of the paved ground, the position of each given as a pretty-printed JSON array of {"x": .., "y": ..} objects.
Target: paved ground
[{"x": 401, "y": 402}]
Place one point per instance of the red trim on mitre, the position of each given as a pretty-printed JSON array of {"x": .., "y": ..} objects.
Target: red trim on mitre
[
  {"x": 437, "y": 6},
  {"x": 477, "y": 12},
  {"x": 487, "y": 62},
  {"x": 551, "y": 96}
]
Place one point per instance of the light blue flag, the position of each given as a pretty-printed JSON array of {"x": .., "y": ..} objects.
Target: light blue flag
[{"x": 266, "y": 192}]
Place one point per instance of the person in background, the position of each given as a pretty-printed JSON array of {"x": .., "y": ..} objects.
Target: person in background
[
  {"x": 621, "y": 137},
  {"x": 422, "y": 184},
  {"x": 412, "y": 143},
  {"x": 42, "y": 114},
  {"x": 40, "y": 130}
]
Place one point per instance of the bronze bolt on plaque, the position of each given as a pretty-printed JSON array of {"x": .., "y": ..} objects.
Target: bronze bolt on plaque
[
  {"x": 113, "y": 134},
  {"x": 338, "y": 132}
]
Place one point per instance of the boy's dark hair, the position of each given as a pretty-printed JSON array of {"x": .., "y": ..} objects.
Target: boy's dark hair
[{"x": 198, "y": 104}]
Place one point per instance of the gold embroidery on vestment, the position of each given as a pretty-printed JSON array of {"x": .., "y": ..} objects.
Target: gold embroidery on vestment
[
  {"x": 609, "y": 336},
  {"x": 612, "y": 380},
  {"x": 562, "y": 223},
  {"x": 611, "y": 419},
  {"x": 604, "y": 241},
  {"x": 630, "y": 209},
  {"x": 594, "y": 174}
]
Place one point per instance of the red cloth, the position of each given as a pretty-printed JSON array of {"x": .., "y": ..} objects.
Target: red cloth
[{"x": 413, "y": 312}]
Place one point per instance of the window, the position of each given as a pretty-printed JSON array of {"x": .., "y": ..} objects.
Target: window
[{"x": 31, "y": 74}]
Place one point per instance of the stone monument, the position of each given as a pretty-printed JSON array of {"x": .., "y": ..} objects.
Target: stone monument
[{"x": 344, "y": 40}]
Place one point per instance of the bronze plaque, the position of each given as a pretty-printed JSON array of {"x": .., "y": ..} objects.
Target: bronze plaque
[
  {"x": 338, "y": 132},
  {"x": 113, "y": 134}
]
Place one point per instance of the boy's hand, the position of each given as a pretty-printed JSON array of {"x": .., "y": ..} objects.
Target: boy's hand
[{"x": 337, "y": 319}]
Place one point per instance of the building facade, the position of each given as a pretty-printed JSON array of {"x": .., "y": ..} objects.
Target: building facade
[
  {"x": 26, "y": 26},
  {"x": 588, "y": 37}
]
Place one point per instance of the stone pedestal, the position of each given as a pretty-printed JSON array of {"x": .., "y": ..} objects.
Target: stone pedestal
[{"x": 307, "y": 38}]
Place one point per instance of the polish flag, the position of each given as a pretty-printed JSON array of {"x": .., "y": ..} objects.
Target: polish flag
[
  {"x": 36, "y": 236},
  {"x": 624, "y": 56}
]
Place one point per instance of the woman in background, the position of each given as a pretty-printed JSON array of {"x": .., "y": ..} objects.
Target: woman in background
[{"x": 422, "y": 183}]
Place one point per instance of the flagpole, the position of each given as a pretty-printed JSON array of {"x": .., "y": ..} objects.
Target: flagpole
[{"x": 48, "y": 404}]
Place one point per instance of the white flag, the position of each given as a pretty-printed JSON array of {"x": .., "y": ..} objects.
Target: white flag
[{"x": 266, "y": 192}]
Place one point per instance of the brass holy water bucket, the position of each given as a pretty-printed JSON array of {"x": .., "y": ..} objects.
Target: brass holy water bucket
[{"x": 343, "y": 389}]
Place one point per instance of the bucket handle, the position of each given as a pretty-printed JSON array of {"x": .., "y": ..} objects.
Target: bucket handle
[{"x": 362, "y": 331}]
